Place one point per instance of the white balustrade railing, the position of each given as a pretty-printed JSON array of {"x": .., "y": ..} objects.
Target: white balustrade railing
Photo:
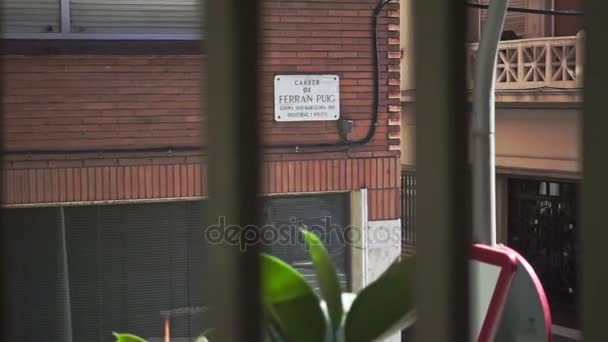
[{"x": 550, "y": 62}]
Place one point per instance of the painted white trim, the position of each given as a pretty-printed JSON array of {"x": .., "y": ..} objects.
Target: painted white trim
[
  {"x": 539, "y": 173},
  {"x": 382, "y": 247},
  {"x": 364, "y": 230},
  {"x": 65, "y": 16},
  {"x": 358, "y": 248},
  {"x": 381, "y": 251}
]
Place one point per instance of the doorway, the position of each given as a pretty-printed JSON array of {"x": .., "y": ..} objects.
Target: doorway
[{"x": 543, "y": 227}]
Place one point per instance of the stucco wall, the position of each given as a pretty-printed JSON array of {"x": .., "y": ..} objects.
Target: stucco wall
[
  {"x": 546, "y": 139},
  {"x": 539, "y": 140}
]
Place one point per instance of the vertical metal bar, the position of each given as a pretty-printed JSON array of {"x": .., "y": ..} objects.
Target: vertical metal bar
[
  {"x": 442, "y": 291},
  {"x": 413, "y": 206},
  {"x": 66, "y": 23},
  {"x": 595, "y": 170},
  {"x": 6, "y": 260},
  {"x": 407, "y": 205},
  {"x": 64, "y": 324},
  {"x": 413, "y": 209},
  {"x": 410, "y": 197},
  {"x": 233, "y": 166},
  {"x": 404, "y": 213}
]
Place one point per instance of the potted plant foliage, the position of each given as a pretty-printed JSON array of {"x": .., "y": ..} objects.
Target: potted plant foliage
[{"x": 295, "y": 313}]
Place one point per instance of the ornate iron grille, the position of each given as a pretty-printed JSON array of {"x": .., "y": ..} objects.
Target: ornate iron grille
[{"x": 543, "y": 218}]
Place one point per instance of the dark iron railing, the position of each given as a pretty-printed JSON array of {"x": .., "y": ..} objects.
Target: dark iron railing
[{"x": 408, "y": 211}]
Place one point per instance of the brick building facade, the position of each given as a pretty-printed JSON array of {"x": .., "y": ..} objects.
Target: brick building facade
[
  {"x": 98, "y": 132},
  {"x": 115, "y": 125}
]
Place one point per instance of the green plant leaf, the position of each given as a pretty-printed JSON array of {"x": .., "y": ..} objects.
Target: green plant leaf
[
  {"x": 272, "y": 334},
  {"x": 127, "y": 338},
  {"x": 385, "y": 305},
  {"x": 276, "y": 331},
  {"x": 347, "y": 301},
  {"x": 327, "y": 277},
  {"x": 292, "y": 303},
  {"x": 202, "y": 339}
]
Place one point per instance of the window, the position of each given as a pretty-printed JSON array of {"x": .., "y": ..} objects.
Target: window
[{"x": 102, "y": 19}]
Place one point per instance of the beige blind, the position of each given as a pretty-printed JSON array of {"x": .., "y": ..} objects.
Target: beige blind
[
  {"x": 30, "y": 16},
  {"x": 514, "y": 21},
  {"x": 136, "y": 16}
]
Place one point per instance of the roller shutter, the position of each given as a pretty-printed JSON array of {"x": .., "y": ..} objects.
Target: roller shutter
[
  {"x": 324, "y": 214},
  {"x": 86, "y": 271},
  {"x": 136, "y": 16},
  {"x": 31, "y": 276},
  {"x": 142, "y": 262},
  {"x": 127, "y": 267},
  {"x": 30, "y": 16}
]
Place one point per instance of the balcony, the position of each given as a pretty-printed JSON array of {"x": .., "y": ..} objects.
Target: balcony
[
  {"x": 547, "y": 69},
  {"x": 537, "y": 63}
]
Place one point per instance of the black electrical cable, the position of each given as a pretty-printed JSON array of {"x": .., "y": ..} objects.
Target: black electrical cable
[
  {"x": 532, "y": 10},
  {"x": 342, "y": 144},
  {"x": 375, "y": 111}
]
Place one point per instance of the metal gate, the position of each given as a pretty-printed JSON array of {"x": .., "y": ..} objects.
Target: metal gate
[
  {"x": 543, "y": 228},
  {"x": 86, "y": 271},
  {"x": 326, "y": 215},
  {"x": 129, "y": 267},
  {"x": 408, "y": 211}
]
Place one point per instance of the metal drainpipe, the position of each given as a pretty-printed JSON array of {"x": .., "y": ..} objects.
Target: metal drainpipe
[{"x": 484, "y": 163}]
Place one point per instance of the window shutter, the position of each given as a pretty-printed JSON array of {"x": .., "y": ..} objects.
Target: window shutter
[
  {"x": 317, "y": 213},
  {"x": 514, "y": 21},
  {"x": 136, "y": 16},
  {"x": 133, "y": 265},
  {"x": 30, "y": 16}
]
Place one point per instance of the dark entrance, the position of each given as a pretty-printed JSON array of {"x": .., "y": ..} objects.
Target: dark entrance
[
  {"x": 325, "y": 215},
  {"x": 78, "y": 273},
  {"x": 543, "y": 227}
]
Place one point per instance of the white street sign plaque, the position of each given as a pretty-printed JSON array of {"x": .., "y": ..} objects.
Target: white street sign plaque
[{"x": 306, "y": 97}]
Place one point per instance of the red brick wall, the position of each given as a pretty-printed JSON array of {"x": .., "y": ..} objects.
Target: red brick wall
[
  {"x": 87, "y": 102},
  {"x": 180, "y": 176},
  {"x": 331, "y": 37},
  {"x": 106, "y": 102}
]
